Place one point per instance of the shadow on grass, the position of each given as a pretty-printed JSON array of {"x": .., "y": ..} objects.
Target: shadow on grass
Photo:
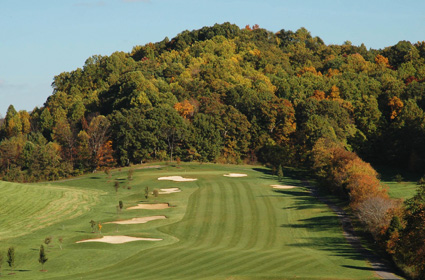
[
  {"x": 303, "y": 199},
  {"x": 359, "y": 267},
  {"x": 321, "y": 223},
  {"x": 337, "y": 246},
  {"x": 326, "y": 225},
  {"x": 289, "y": 174}
]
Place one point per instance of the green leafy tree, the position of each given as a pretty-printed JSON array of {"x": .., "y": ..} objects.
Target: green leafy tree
[
  {"x": 116, "y": 185},
  {"x": 93, "y": 226},
  {"x": 280, "y": 172},
  {"x": 46, "y": 123},
  {"x": 12, "y": 122},
  {"x": 130, "y": 174},
  {"x": 398, "y": 178}
]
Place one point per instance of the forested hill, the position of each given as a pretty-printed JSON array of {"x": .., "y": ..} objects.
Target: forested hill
[{"x": 224, "y": 94}]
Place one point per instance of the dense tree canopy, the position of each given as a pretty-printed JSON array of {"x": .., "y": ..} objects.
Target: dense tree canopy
[{"x": 226, "y": 94}]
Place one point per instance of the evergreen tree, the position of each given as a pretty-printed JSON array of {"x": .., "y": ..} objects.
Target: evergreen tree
[
  {"x": 11, "y": 257},
  {"x": 146, "y": 192},
  {"x": 42, "y": 257},
  {"x": 280, "y": 172}
]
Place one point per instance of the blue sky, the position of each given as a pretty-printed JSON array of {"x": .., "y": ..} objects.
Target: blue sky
[{"x": 40, "y": 39}]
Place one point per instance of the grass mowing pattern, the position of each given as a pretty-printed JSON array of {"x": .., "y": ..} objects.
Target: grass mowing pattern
[
  {"x": 404, "y": 190},
  {"x": 27, "y": 208},
  {"x": 241, "y": 228}
]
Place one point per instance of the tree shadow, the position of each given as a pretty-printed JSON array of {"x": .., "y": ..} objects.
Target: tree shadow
[
  {"x": 321, "y": 223},
  {"x": 288, "y": 172},
  {"x": 337, "y": 246},
  {"x": 303, "y": 199},
  {"x": 359, "y": 267}
]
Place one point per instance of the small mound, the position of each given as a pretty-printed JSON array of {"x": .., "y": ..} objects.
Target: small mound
[
  {"x": 235, "y": 175},
  {"x": 282, "y": 187},
  {"x": 177, "y": 179},
  {"x": 118, "y": 239},
  {"x": 142, "y": 220},
  {"x": 169, "y": 190},
  {"x": 150, "y": 206}
]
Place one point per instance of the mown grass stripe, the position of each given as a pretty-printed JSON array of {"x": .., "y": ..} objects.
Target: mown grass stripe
[
  {"x": 205, "y": 218},
  {"x": 271, "y": 223},
  {"x": 238, "y": 217},
  {"x": 254, "y": 218},
  {"x": 221, "y": 225},
  {"x": 190, "y": 217}
]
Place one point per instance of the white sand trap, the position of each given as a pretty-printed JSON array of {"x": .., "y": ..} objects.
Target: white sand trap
[
  {"x": 150, "y": 206},
  {"x": 142, "y": 220},
  {"x": 169, "y": 190},
  {"x": 118, "y": 239},
  {"x": 282, "y": 187},
  {"x": 236, "y": 175},
  {"x": 177, "y": 179}
]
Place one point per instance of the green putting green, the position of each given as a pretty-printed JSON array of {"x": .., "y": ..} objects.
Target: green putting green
[{"x": 217, "y": 227}]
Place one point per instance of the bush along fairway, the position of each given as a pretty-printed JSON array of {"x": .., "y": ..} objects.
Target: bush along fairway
[{"x": 215, "y": 227}]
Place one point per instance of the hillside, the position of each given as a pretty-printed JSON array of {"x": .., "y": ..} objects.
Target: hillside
[{"x": 226, "y": 94}]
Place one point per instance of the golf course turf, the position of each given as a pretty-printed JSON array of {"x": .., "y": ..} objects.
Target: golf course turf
[{"x": 217, "y": 227}]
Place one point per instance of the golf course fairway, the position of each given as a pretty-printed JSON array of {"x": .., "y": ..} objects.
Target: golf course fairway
[{"x": 216, "y": 227}]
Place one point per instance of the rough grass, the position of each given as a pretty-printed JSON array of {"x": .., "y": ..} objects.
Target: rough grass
[
  {"x": 406, "y": 188},
  {"x": 221, "y": 228}
]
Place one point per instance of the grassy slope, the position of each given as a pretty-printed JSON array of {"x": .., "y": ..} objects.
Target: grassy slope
[
  {"x": 405, "y": 189},
  {"x": 235, "y": 227}
]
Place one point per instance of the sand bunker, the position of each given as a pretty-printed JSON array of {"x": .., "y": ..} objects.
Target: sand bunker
[
  {"x": 177, "y": 179},
  {"x": 235, "y": 175},
  {"x": 169, "y": 190},
  {"x": 142, "y": 220},
  {"x": 282, "y": 187},
  {"x": 150, "y": 206},
  {"x": 118, "y": 239}
]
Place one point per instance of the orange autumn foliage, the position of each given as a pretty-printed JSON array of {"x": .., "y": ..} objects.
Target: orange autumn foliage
[
  {"x": 334, "y": 94},
  {"x": 185, "y": 109},
  {"x": 318, "y": 95},
  {"x": 332, "y": 72},
  {"x": 382, "y": 61},
  {"x": 344, "y": 172},
  {"x": 309, "y": 69},
  {"x": 105, "y": 155},
  {"x": 396, "y": 105}
]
